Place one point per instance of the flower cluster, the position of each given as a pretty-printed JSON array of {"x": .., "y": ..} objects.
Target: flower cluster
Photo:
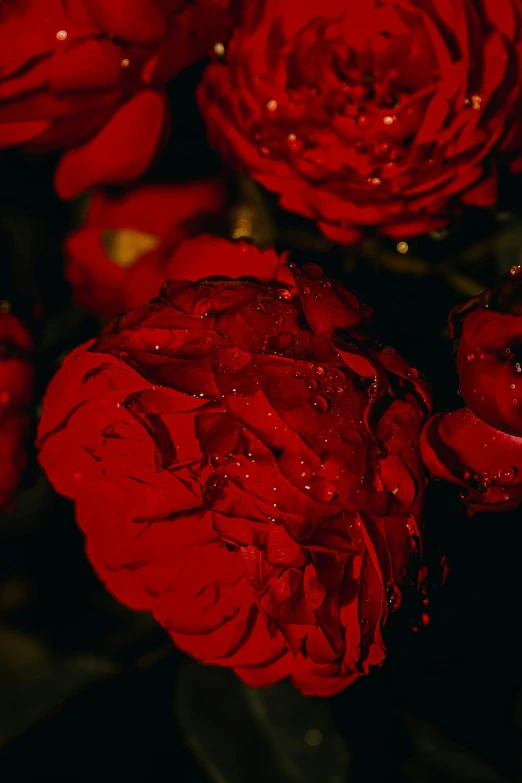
[{"x": 245, "y": 464}]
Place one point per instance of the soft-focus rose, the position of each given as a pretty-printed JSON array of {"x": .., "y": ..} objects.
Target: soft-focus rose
[
  {"x": 88, "y": 76},
  {"x": 377, "y": 113},
  {"x": 16, "y": 381},
  {"x": 125, "y": 250},
  {"x": 245, "y": 465},
  {"x": 480, "y": 446}
]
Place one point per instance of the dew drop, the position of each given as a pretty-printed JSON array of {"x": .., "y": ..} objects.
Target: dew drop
[
  {"x": 271, "y": 105},
  {"x": 261, "y": 306},
  {"x": 125, "y": 62},
  {"x": 283, "y": 341},
  {"x": 320, "y": 403},
  {"x": 312, "y": 385},
  {"x": 319, "y": 371},
  {"x": 507, "y": 475},
  {"x": 389, "y": 120},
  {"x": 219, "y": 49},
  {"x": 297, "y": 374},
  {"x": 279, "y": 320},
  {"x": 306, "y": 291},
  {"x": 61, "y": 35},
  {"x": 394, "y": 597},
  {"x": 284, "y": 294}
]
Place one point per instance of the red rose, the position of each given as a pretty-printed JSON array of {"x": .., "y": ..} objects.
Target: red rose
[
  {"x": 124, "y": 252},
  {"x": 88, "y": 76},
  {"x": 480, "y": 446},
  {"x": 380, "y": 113},
  {"x": 245, "y": 465},
  {"x": 16, "y": 381}
]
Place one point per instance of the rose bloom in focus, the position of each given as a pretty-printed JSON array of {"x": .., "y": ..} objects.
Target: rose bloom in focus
[
  {"x": 245, "y": 465},
  {"x": 88, "y": 76},
  {"x": 125, "y": 250},
  {"x": 380, "y": 113},
  {"x": 16, "y": 384},
  {"x": 480, "y": 445}
]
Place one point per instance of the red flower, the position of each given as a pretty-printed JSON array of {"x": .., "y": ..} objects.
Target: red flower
[
  {"x": 480, "y": 446},
  {"x": 245, "y": 466},
  {"x": 88, "y": 76},
  {"x": 124, "y": 252},
  {"x": 16, "y": 381},
  {"x": 380, "y": 113}
]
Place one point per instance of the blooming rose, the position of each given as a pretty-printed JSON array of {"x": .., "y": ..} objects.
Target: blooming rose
[
  {"x": 480, "y": 446},
  {"x": 16, "y": 380},
  {"x": 245, "y": 465},
  {"x": 88, "y": 76},
  {"x": 380, "y": 113},
  {"x": 124, "y": 251}
]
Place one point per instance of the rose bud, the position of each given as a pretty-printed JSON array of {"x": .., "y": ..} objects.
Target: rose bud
[
  {"x": 126, "y": 248},
  {"x": 16, "y": 384},
  {"x": 480, "y": 446},
  {"x": 245, "y": 465},
  {"x": 89, "y": 77},
  {"x": 380, "y": 114}
]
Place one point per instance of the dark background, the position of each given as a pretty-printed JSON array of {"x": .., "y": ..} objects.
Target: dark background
[{"x": 89, "y": 690}]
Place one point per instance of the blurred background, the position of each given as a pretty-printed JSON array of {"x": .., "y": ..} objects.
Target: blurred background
[{"x": 90, "y": 690}]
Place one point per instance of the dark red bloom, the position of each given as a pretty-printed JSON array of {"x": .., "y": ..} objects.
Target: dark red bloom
[
  {"x": 126, "y": 248},
  {"x": 245, "y": 465},
  {"x": 480, "y": 446},
  {"x": 380, "y": 113},
  {"x": 16, "y": 382},
  {"x": 88, "y": 76}
]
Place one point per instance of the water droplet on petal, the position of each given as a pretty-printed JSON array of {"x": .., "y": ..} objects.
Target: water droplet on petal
[
  {"x": 312, "y": 385},
  {"x": 320, "y": 403},
  {"x": 507, "y": 475},
  {"x": 306, "y": 291},
  {"x": 279, "y": 320},
  {"x": 284, "y": 294},
  {"x": 394, "y": 597},
  {"x": 61, "y": 35},
  {"x": 261, "y": 306},
  {"x": 283, "y": 341},
  {"x": 319, "y": 371}
]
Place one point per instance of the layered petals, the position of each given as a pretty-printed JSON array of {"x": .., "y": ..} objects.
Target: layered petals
[
  {"x": 384, "y": 114},
  {"x": 88, "y": 77},
  {"x": 244, "y": 461}
]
